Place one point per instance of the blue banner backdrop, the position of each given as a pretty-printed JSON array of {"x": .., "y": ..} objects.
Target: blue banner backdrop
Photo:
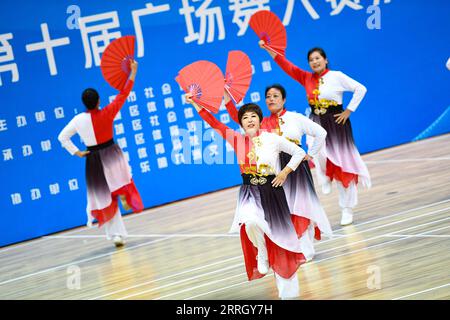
[{"x": 397, "y": 49}]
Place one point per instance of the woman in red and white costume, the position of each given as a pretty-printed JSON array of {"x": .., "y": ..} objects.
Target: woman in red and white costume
[
  {"x": 108, "y": 175},
  {"x": 269, "y": 232},
  {"x": 340, "y": 159},
  {"x": 299, "y": 186}
]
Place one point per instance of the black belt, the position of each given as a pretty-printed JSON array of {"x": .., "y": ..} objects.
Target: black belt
[
  {"x": 331, "y": 109},
  {"x": 255, "y": 180},
  {"x": 101, "y": 145}
]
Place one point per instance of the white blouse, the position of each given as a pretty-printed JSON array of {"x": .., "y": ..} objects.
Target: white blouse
[
  {"x": 267, "y": 148},
  {"x": 335, "y": 83},
  {"x": 81, "y": 124},
  {"x": 294, "y": 125}
]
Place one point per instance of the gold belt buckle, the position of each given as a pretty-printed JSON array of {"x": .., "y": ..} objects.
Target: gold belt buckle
[
  {"x": 320, "y": 111},
  {"x": 255, "y": 181}
]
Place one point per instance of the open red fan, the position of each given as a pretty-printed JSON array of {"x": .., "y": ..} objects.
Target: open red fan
[
  {"x": 115, "y": 62},
  {"x": 238, "y": 75},
  {"x": 205, "y": 81},
  {"x": 268, "y": 27}
]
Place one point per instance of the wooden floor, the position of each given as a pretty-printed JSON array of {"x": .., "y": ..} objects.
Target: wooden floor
[{"x": 397, "y": 248}]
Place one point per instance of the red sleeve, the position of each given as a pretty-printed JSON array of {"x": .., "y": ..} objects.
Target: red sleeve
[
  {"x": 113, "y": 108},
  {"x": 292, "y": 70},
  {"x": 226, "y": 132},
  {"x": 232, "y": 110}
]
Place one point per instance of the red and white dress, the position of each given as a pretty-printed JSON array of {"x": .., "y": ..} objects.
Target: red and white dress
[
  {"x": 340, "y": 159},
  {"x": 299, "y": 185},
  {"x": 108, "y": 174},
  {"x": 262, "y": 212}
]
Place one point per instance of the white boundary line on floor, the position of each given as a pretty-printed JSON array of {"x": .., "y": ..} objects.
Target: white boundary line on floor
[
  {"x": 321, "y": 242},
  {"x": 236, "y": 235},
  {"x": 318, "y": 261},
  {"x": 423, "y": 291},
  {"x": 159, "y": 240},
  {"x": 151, "y": 210},
  {"x": 79, "y": 261},
  {"x": 80, "y": 229},
  {"x": 417, "y": 236},
  {"x": 184, "y": 280},
  {"x": 346, "y": 245},
  {"x": 167, "y": 277},
  {"x": 168, "y": 235},
  {"x": 383, "y": 235},
  {"x": 397, "y": 214},
  {"x": 402, "y": 146},
  {"x": 407, "y": 160}
]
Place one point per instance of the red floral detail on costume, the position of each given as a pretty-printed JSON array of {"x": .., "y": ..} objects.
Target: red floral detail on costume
[{"x": 272, "y": 123}]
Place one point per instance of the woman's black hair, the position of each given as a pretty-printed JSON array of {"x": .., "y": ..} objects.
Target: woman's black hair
[
  {"x": 250, "y": 107},
  {"x": 90, "y": 98},
  {"x": 278, "y": 87},
  {"x": 320, "y": 51}
]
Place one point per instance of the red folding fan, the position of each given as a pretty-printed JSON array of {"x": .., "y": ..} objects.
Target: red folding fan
[
  {"x": 268, "y": 27},
  {"x": 115, "y": 62},
  {"x": 205, "y": 81},
  {"x": 238, "y": 75}
]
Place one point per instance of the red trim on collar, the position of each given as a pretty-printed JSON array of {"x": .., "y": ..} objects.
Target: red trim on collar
[
  {"x": 271, "y": 123},
  {"x": 258, "y": 133},
  {"x": 316, "y": 75}
]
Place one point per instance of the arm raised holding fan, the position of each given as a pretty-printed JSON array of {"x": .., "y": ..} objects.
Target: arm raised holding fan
[
  {"x": 231, "y": 107},
  {"x": 221, "y": 128},
  {"x": 340, "y": 160},
  {"x": 191, "y": 101},
  {"x": 271, "y": 31},
  {"x": 273, "y": 38},
  {"x": 108, "y": 176},
  {"x": 287, "y": 66},
  {"x": 113, "y": 108},
  {"x": 133, "y": 67},
  {"x": 204, "y": 81},
  {"x": 263, "y": 45}
]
